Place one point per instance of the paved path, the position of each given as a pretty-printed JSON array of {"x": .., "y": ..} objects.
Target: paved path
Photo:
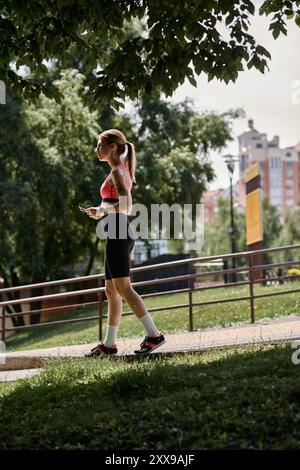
[
  {"x": 287, "y": 329},
  {"x": 10, "y": 375}
]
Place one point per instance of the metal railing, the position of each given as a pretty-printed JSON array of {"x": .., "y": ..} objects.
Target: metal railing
[{"x": 247, "y": 269}]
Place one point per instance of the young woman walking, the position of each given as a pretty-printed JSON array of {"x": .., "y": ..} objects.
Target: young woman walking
[{"x": 116, "y": 204}]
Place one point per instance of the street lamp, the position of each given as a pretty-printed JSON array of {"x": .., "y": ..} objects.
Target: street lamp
[{"x": 230, "y": 163}]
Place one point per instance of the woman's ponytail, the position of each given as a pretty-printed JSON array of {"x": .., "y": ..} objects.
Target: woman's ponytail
[{"x": 131, "y": 159}]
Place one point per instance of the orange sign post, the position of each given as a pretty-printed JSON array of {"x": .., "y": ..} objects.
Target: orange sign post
[{"x": 254, "y": 219}]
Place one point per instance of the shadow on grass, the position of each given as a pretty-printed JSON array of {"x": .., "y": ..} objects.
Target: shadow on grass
[{"x": 239, "y": 398}]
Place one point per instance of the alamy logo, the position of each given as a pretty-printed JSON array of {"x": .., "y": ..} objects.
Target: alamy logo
[
  {"x": 296, "y": 354},
  {"x": 188, "y": 224},
  {"x": 2, "y": 353},
  {"x": 2, "y": 93},
  {"x": 296, "y": 92}
]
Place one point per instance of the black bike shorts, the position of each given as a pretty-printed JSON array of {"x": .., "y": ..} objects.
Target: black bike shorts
[{"x": 119, "y": 245}]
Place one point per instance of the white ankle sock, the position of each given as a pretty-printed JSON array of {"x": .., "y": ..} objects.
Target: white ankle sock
[
  {"x": 111, "y": 335},
  {"x": 149, "y": 325}
]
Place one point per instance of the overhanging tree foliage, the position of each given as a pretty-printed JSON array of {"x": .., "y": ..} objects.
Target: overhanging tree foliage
[{"x": 178, "y": 40}]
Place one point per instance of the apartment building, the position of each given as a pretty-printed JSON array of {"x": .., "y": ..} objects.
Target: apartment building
[{"x": 279, "y": 168}]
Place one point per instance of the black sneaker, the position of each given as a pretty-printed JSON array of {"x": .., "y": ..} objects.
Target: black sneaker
[
  {"x": 150, "y": 343},
  {"x": 102, "y": 350}
]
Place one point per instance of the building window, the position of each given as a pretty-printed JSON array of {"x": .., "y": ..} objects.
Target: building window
[
  {"x": 261, "y": 168},
  {"x": 275, "y": 181},
  {"x": 276, "y": 192},
  {"x": 288, "y": 154},
  {"x": 289, "y": 192},
  {"x": 243, "y": 163},
  {"x": 275, "y": 162},
  {"x": 289, "y": 164},
  {"x": 289, "y": 202},
  {"x": 272, "y": 145},
  {"x": 259, "y": 146},
  {"x": 289, "y": 184},
  {"x": 289, "y": 173}
]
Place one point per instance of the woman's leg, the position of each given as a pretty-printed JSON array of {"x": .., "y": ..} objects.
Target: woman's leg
[
  {"x": 124, "y": 288},
  {"x": 114, "y": 313},
  {"x": 114, "y": 303}
]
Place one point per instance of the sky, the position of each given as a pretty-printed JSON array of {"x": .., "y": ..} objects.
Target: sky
[{"x": 272, "y": 100}]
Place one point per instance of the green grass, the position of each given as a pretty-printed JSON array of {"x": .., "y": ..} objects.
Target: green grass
[
  {"x": 237, "y": 398},
  {"x": 169, "y": 321}
]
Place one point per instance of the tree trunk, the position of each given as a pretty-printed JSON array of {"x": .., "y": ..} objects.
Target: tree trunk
[{"x": 92, "y": 258}]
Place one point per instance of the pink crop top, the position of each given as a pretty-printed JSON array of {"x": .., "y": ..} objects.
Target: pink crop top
[{"x": 108, "y": 191}]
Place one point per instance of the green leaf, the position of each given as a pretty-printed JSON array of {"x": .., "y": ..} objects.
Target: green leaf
[
  {"x": 262, "y": 51},
  {"x": 276, "y": 31},
  {"x": 90, "y": 35},
  {"x": 192, "y": 81}
]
